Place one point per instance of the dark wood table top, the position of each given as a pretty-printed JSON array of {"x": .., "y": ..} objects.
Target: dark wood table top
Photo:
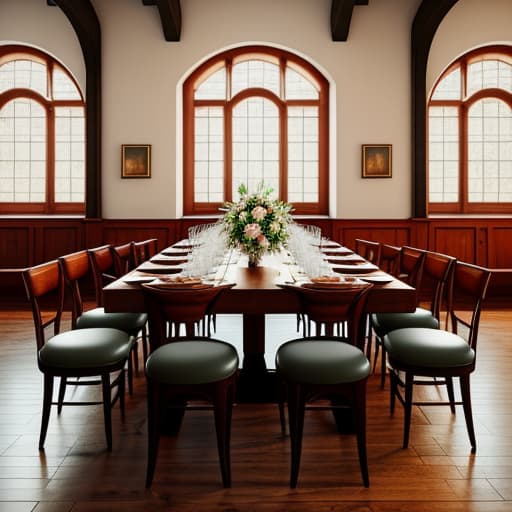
[{"x": 257, "y": 290}]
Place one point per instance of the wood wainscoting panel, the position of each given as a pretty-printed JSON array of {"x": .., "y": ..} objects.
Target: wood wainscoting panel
[
  {"x": 56, "y": 240},
  {"x": 501, "y": 239},
  {"x": 15, "y": 247},
  {"x": 460, "y": 242}
]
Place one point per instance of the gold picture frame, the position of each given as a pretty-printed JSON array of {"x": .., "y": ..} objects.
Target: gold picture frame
[
  {"x": 136, "y": 161},
  {"x": 376, "y": 161}
]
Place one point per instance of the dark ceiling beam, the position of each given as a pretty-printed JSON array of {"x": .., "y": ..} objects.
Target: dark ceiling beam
[
  {"x": 170, "y": 16},
  {"x": 341, "y": 15},
  {"x": 83, "y": 19},
  {"x": 426, "y": 22}
]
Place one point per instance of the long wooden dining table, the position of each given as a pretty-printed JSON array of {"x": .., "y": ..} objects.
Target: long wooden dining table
[{"x": 256, "y": 293}]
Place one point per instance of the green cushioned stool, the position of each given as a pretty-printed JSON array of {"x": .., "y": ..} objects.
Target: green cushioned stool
[
  {"x": 321, "y": 367},
  {"x": 185, "y": 369}
]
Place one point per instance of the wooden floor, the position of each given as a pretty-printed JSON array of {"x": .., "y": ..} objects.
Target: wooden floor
[{"x": 75, "y": 473}]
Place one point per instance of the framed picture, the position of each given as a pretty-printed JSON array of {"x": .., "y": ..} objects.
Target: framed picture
[
  {"x": 136, "y": 161},
  {"x": 376, "y": 160}
]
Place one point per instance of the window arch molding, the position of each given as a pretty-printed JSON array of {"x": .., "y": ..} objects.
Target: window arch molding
[
  {"x": 42, "y": 150},
  {"x": 276, "y": 95},
  {"x": 469, "y": 133}
]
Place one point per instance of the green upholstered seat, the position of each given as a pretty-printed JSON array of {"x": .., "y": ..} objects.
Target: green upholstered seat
[
  {"x": 192, "y": 362},
  {"x": 321, "y": 361},
  {"x": 131, "y": 323},
  {"x": 86, "y": 348},
  {"x": 387, "y": 322},
  {"x": 428, "y": 348}
]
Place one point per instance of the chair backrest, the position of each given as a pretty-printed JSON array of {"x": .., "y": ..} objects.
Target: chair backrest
[
  {"x": 411, "y": 266},
  {"x": 168, "y": 307},
  {"x": 390, "y": 259},
  {"x": 437, "y": 270},
  {"x": 123, "y": 260},
  {"x": 143, "y": 250},
  {"x": 467, "y": 292},
  {"x": 103, "y": 269},
  {"x": 75, "y": 266},
  {"x": 44, "y": 282},
  {"x": 327, "y": 307},
  {"x": 369, "y": 250}
]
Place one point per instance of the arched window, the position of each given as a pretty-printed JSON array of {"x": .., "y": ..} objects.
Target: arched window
[
  {"x": 255, "y": 115},
  {"x": 470, "y": 134},
  {"x": 42, "y": 135}
]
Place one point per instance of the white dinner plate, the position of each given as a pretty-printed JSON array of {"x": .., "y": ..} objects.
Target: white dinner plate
[
  {"x": 138, "y": 279},
  {"x": 377, "y": 279}
]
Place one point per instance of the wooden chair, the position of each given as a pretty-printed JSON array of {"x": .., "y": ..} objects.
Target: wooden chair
[
  {"x": 443, "y": 355},
  {"x": 390, "y": 259},
  {"x": 76, "y": 267},
  {"x": 98, "y": 352},
  {"x": 123, "y": 259},
  {"x": 317, "y": 367},
  {"x": 185, "y": 368},
  {"x": 436, "y": 272},
  {"x": 103, "y": 270},
  {"x": 143, "y": 251},
  {"x": 185, "y": 306},
  {"x": 410, "y": 271},
  {"x": 369, "y": 250}
]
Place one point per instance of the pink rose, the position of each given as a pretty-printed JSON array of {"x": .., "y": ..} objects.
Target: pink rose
[
  {"x": 252, "y": 230},
  {"x": 262, "y": 240},
  {"x": 258, "y": 212}
]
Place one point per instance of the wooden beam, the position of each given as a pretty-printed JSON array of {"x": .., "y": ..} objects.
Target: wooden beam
[
  {"x": 83, "y": 18},
  {"x": 170, "y": 16},
  {"x": 341, "y": 15}
]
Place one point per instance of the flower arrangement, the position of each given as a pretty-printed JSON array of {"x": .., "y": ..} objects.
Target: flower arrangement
[{"x": 256, "y": 223}]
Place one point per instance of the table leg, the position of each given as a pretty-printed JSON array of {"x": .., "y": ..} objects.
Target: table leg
[{"x": 256, "y": 383}]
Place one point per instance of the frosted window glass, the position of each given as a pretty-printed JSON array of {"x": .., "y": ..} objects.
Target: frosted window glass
[
  {"x": 24, "y": 74},
  {"x": 209, "y": 154},
  {"x": 254, "y": 145},
  {"x": 298, "y": 87},
  {"x": 63, "y": 87},
  {"x": 489, "y": 150},
  {"x": 213, "y": 88},
  {"x": 255, "y": 73},
  {"x": 449, "y": 88},
  {"x": 443, "y": 154},
  {"x": 70, "y": 154}
]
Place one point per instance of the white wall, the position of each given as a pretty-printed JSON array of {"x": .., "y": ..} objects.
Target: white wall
[
  {"x": 469, "y": 24},
  {"x": 370, "y": 74}
]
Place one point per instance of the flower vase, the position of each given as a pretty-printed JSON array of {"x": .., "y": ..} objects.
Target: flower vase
[{"x": 254, "y": 260}]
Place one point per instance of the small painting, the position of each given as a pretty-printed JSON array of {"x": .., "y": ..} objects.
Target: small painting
[
  {"x": 376, "y": 160},
  {"x": 136, "y": 161}
]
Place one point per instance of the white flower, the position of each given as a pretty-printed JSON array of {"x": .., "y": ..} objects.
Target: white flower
[
  {"x": 243, "y": 216},
  {"x": 252, "y": 230},
  {"x": 275, "y": 227},
  {"x": 258, "y": 212}
]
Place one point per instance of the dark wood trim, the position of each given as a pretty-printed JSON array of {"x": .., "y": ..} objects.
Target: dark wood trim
[
  {"x": 341, "y": 16},
  {"x": 428, "y": 18},
  {"x": 170, "y": 16},
  {"x": 83, "y": 18}
]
